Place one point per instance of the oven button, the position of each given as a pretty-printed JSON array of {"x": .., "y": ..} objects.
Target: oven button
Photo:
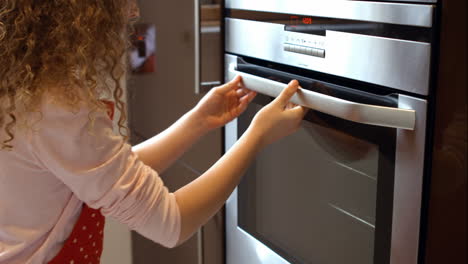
[
  {"x": 287, "y": 47},
  {"x": 321, "y": 53},
  {"x": 291, "y": 48},
  {"x": 315, "y": 52},
  {"x": 296, "y": 48},
  {"x": 310, "y": 51},
  {"x": 303, "y": 50}
]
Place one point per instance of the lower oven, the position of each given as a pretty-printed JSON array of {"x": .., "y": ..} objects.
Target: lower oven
[{"x": 342, "y": 189}]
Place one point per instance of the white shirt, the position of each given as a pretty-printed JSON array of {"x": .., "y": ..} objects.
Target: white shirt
[{"x": 62, "y": 160}]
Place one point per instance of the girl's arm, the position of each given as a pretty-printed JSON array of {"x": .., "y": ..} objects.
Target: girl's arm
[
  {"x": 199, "y": 200},
  {"x": 219, "y": 106},
  {"x": 94, "y": 165},
  {"x": 162, "y": 150}
]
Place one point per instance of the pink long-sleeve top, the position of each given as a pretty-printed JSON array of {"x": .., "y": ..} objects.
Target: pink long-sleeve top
[{"x": 62, "y": 159}]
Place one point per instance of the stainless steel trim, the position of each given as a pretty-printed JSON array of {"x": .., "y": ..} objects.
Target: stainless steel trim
[
  {"x": 197, "y": 39},
  {"x": 365, "y": 58},
  {"x": 409, "y": 160},
  {"x": 321, "y": 53},
  {"x": 210, "y": 30},
  {"x": 422, "y": 1},
  {"x": 202, "y": 87},
  {"x": 399, "y": 64},
  {"x": 394, "y": 13},
  {"x": 206, "y": 86},
  {"x": 359, "y": 113},
  {"x": 240, "y": 246},
  {"x": 200, "y": 245}
]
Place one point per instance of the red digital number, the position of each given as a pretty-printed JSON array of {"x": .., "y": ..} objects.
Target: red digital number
[
  {"x": 307, "y": 20},
  {"x": 294, "y": 20}
]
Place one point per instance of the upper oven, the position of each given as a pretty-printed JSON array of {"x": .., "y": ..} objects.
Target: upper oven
[{"x": 347, "y": 187}]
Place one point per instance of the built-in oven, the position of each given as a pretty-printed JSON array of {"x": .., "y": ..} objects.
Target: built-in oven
[{"x": 347, "y": 186}]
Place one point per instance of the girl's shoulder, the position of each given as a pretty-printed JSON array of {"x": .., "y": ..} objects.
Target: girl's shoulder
[
  {"x": 51, "y": 111},
  {"x": 53, "y": 114}
]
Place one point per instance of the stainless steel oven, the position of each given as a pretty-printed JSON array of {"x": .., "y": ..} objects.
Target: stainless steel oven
[{"x": 347, "y": 187}]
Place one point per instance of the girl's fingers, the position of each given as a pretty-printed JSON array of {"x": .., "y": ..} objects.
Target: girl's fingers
[
  {"x": 299, "y": 111},
  {"x": 241, "y": 92},
  {"x": 287, "y": 93},
  {"x": 250, "y": 96},
  {"x": 290, "y": 105},
  {"x": 245, "y": 101},
  {"x": 234, "y": 83}
]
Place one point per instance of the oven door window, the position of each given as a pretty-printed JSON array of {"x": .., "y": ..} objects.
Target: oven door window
[{"x": 322, "y": 195}]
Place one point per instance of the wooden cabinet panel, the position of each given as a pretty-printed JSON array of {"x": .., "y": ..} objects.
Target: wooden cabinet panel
[
  {"x": 205, "y": 152},
  {"x": 147, "y": 252},
  {"x": 447, "y": 224},
  {"x": 214, "y": 240},
  {"x": 210, "y": 250}
]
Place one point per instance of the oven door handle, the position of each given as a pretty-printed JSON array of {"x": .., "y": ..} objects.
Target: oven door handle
[{"x": 348, "y": 110}]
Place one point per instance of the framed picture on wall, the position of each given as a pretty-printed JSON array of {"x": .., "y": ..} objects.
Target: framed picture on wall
[{"x": 142, "y": 55}]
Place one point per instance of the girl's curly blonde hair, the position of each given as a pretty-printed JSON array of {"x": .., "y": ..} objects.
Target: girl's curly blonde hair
[{"x": 77, "y": 44}]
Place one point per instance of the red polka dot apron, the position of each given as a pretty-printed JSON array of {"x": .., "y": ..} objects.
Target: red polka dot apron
[{"x": 85, "y": 243}]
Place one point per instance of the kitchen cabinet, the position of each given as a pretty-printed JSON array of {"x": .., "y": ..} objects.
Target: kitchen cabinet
[
  {"x": 148, "y": 252},
  {"x": 156, "y": 100},
  {"x": 446, "y": 237}
]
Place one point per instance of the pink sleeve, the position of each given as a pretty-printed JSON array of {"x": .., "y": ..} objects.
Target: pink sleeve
[{"x": 101, "y": 170}]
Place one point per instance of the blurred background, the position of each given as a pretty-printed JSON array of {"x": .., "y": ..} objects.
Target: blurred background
[{"x": 157, "y": 97}]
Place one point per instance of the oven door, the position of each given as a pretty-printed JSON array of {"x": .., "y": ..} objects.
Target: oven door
[{"x": 336, "y": 191}]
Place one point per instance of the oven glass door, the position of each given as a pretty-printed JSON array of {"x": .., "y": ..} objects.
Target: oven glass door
[
  {"x": 322, "y": 195},
  {"x": 345, "y": 188}
]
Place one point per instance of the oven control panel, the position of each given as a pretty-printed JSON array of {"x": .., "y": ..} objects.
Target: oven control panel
[{"x": 307, "y": 44}]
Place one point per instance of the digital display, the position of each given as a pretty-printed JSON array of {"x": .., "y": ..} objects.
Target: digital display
[
  {"x": 307, "y": 20},
  {"x": 297, "y": 20}
]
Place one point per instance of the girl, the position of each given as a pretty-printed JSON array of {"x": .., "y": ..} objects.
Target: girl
[{"x": 60, "y": 164}]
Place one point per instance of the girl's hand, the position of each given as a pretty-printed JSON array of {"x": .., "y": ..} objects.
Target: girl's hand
[
  {"x": 279, "y": 118},
  {"x": 223, "y": 103},
  {"x": 211, "y": 189}
]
